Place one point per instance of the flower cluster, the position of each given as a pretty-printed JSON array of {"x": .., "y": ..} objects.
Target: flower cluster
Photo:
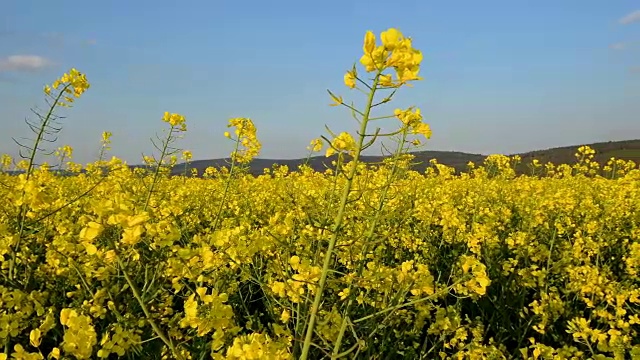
[
  {"x": 79, "y": 336},
  {"x": 71, "y": 85},
  {"x": 175, "y": 120},
  {"x": 396, "y": 51},
  {"x": 247, "y": 144},
  {"x": 412, "y": 118},
  {"x": 342, "y": 143}
]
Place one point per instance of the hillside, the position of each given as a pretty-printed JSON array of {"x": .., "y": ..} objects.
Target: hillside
[{"x": 627, "y": 150}]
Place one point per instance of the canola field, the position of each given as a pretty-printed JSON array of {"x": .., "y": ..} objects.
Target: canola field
[{"x": 357, "y": 262}]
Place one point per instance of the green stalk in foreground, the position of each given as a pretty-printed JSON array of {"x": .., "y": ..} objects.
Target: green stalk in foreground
[
  {"x": 178, "y": 124},
  {"x": 396, "y": 52},
  {"x": 338, "y": 221},
  {"x": 70, "y": 85},
  {"x": 44, "y": 129}
]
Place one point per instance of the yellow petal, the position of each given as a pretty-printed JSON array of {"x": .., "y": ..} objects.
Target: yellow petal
[
  {"x": 390, "y": 38},
  {"x": 34, "y": 337},
  {"x": 369, "y": 42}
]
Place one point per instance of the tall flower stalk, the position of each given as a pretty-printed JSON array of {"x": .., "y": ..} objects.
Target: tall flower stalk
[{"x": 395, "y": 53}]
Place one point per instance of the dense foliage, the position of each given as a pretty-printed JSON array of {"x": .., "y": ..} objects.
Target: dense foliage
[{"x": 354, "y": 262}]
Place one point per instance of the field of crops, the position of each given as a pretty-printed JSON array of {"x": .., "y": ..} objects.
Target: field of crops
[{"x": 356, "y": 262}]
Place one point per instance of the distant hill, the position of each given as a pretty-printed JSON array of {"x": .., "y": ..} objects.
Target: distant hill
[{"x": 626, "y": 150}]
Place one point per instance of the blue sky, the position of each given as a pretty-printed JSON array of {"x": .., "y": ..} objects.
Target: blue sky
[{"x": 500, "y": 76}]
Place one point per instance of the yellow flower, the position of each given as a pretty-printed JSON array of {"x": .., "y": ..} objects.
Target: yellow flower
[
  {"x": 409, "y": 117},
  {"x": 136, "y": 220},
  {"x": 369, "y": 42},
  {"x": 375, "y": 60},
  {"x": 315, "y": 145},
  {"x": 55, "y": 353},
  {"x": 91, "y": 231},
  {"x": 350, "y": 79},
  {"x": 249, "y": 145},
  {"x": 422, "y": 129},
  {"x": 132, "y": 236},
  {"x": 408, "y": 74},
  {"x": 64, "y": 315},
  {"x": 385, "y": 80},
  {"x": 344, "y": 293},
  {"x": 390, "y": 38},
  {"x": 278, "y": 288},
  {"x": 34, "y": 337},
  {"x": 73, "y": 83},
  {"x": 343, "y": 142},
  {"x": 285, "y": 316},
  {"x": 175, "y": 120}
]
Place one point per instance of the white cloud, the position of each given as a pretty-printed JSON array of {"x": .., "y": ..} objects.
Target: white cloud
[
  {"x": 24, "y": 63},
  {"x": 630, "y": 18}
]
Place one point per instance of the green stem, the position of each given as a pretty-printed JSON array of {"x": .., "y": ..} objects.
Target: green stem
[
  {"x": 338, "y": 223},
  {"x": 367, "y": 238},
  {"x": 410, "y": 303},
  {"x": 336, "y": 347},
  {"x": 42, "y": 130},
  {"x": 226, "y": 185},
  {"x": 21, "y": 212},
  {"x": 147, "y": 314},
  {"x": 156, "y": 174}
]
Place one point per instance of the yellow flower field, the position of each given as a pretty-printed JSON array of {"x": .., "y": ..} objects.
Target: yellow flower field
[{"x": 356, "y": 262}]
